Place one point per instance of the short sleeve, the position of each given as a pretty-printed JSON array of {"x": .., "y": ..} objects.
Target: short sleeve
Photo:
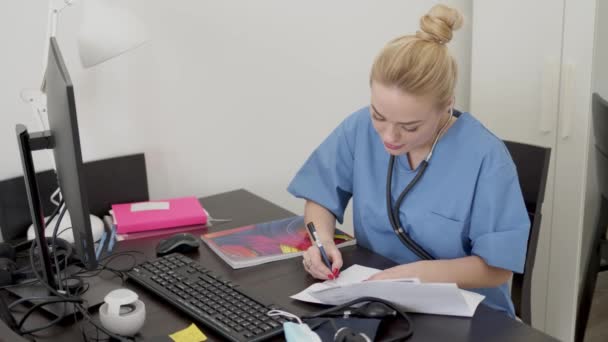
[
  {"x": 326, "y": 178},
  {"x": 500, "y": 224}
]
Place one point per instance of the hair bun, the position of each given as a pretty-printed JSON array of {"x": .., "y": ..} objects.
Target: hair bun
[{"x": 437, "y": 25}]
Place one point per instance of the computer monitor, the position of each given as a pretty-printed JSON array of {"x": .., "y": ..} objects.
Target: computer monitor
[
  {"x": 63, "y": 139},
  {"x": 63, "y": 125}
]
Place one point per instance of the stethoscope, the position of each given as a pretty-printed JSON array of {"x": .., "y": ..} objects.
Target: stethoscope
[{"x": 393, "y": 212}]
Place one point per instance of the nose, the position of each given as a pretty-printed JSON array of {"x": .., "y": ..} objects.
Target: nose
[{"x": 391, "y": 134}]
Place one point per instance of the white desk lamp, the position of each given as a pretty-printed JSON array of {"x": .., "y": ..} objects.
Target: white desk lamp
[{"x": 106, "y": 31}]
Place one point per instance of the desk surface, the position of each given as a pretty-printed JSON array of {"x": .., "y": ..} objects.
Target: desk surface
[{"x": 275, "y": 282}]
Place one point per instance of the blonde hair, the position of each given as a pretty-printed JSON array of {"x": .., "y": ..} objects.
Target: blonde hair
[{"x": 420, "y": 64}]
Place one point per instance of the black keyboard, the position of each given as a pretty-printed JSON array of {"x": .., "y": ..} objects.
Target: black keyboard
[{"x": 215, "y": 303}]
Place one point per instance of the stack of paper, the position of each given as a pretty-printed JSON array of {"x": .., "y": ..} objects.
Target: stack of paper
[
  {"x": 411, "y": 294},
  {"x": 162, "y": 232}
]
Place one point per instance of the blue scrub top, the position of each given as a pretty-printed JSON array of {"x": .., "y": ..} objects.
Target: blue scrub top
[{"x": 468, "y": 202}]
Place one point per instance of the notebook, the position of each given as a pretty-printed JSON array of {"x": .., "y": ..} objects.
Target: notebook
[
  {"x": 161, "y": 214},
  {"x": 266, "y": 242}
]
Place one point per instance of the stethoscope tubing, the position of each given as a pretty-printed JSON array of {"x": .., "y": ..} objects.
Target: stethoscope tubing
[{"x": 393, "y": 212}]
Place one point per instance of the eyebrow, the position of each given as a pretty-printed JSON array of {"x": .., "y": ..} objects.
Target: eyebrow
[{"x": 401, "y": 123}]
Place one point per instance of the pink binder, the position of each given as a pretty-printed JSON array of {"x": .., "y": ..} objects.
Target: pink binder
[{"x": 185, "y": 211}]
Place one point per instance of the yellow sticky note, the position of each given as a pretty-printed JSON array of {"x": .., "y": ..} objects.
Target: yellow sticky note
[{"x": 190, "y": 334}]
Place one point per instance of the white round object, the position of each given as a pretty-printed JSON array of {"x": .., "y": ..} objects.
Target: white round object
[
  {"x": 122, "y": 313},
  {"x": 65, "y": 228}
]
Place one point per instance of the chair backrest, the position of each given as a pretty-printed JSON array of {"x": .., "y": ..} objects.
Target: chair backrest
[
  {"x": 600, "y": 130},
  {"x": 108, "y": 181},
  {"x": 532, "y": 163},
  {"x": 592, "y": 267}
]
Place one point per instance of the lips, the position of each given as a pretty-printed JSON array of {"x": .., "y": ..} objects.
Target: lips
[{"x": 392, "y": 147}]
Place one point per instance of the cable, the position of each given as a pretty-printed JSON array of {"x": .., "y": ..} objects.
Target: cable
[
  {"x": 46, "y": 326},
  {"x": 29, "y": 299},
  {"x": 60, "y": 298},
  {"x": 115, "y": 256},
  {"x": 32, "y": 265},
  {"x": 38, "y": 276},
  {"x": 54, "y": 246},
  {"x": 105, "y": 265},
  {"x": 66, "y": 298},
  {"x": 63, "y": 230},
  {"x": 47, "y": 302},
  {"x": 90, "y": 319},
  {"x": 23, "y": 243},
  {"x": 27, "y": 282},
  {"x": 26, "y": 268},
  {"x": 55, "y": 212}
]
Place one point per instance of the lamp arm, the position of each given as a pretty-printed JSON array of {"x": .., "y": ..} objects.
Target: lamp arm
[
  {"x": 36, "y": 98},
  {"x": 55, "y": 7}
]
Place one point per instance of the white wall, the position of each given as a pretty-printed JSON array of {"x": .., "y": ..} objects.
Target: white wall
[
  {"x": 228, "y": 94},
  {"x": 600, "y": 58}
]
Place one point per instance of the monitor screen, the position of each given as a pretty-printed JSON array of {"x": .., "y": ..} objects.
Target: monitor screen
[{"x": 63, "y": 124}]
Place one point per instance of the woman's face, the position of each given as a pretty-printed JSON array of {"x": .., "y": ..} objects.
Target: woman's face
[{"x": 405, "y": 123}]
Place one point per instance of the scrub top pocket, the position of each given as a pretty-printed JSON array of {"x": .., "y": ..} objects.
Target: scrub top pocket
[{"x": 443, "y": 236}]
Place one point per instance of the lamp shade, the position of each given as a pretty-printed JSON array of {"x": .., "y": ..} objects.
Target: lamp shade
[{"x": 107, "y": 31}]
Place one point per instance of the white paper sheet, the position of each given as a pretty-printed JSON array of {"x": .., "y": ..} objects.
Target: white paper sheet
[
  {"x": 430, "y": 298},
  {"x": 351, "y": 275}
]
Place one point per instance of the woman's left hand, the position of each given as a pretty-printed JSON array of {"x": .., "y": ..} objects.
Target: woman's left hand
[
  {"x": 411, "y": 270},
  {"x": 466, "y": 272}
]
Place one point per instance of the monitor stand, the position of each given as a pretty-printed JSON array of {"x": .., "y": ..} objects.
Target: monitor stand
[{"x": 97, "y": 287}]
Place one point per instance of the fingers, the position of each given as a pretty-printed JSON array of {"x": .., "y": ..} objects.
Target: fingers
[
  {"x": 389, "y": 273},
  {"x": 379, "y": 276},
  {"x": 374, "y": 277},
  {"x": 336, "y": 257},
  {"x": 313, "y": 264}
]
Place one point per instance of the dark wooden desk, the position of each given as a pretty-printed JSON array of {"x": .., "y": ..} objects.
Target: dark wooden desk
[{"x": 275, "y": 282}]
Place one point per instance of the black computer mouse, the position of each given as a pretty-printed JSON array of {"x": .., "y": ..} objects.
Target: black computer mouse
[{"x": 178, "y": 243}]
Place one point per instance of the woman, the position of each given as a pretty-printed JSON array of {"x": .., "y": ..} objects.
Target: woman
[{"x": 466, "y": 211}]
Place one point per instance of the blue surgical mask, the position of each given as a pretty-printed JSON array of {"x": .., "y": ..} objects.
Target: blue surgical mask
[
  {"x": 295, "y": 332},
  {"x": 299, "y": 332}
]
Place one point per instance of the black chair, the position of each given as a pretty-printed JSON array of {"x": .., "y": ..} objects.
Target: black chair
[
  {"x": 598, "y": 249},
  {"x": 532, "y": 163},
  {"x": 108, "y": 181}
]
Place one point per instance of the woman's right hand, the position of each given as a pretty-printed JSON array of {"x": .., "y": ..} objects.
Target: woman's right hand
[{"x": 313, "y": 262}]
